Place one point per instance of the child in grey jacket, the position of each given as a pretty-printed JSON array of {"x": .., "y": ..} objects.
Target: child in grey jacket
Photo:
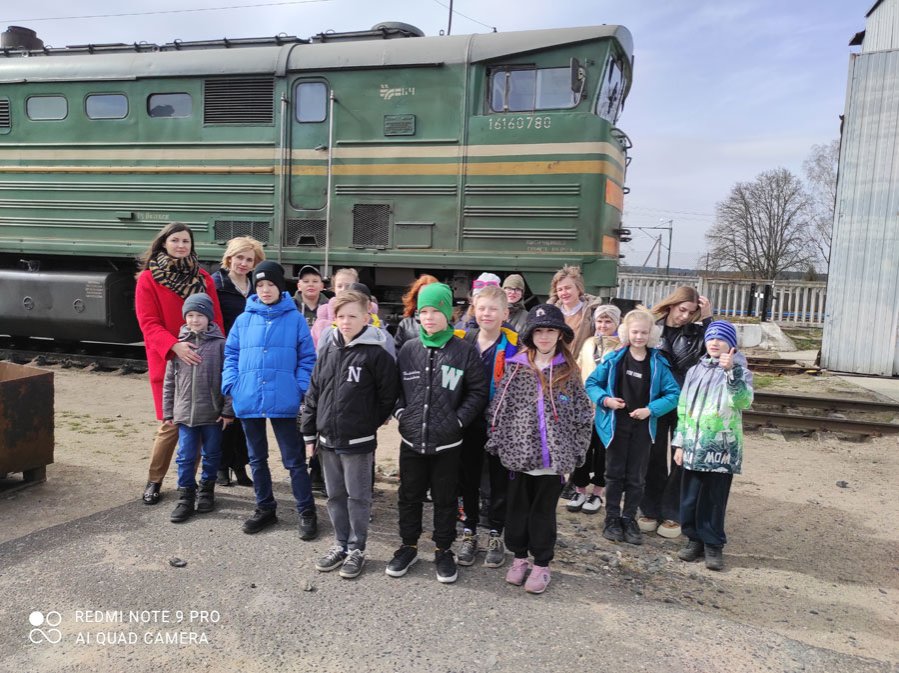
[{"x": 192, "y": 400}]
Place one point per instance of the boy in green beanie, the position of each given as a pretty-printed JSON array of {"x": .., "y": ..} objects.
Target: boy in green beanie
[{"x": 443, "y": 389}]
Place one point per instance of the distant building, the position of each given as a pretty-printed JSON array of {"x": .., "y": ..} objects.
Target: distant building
[{"x": 861, "y": 328}]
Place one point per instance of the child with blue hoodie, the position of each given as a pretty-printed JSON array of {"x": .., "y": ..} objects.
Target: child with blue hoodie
[
  {"x": 709, "y": 441},
  {"x": 269, "y": 358},
  {"x": 192, "y": 400},
  {"x": 632, "y": 387}
]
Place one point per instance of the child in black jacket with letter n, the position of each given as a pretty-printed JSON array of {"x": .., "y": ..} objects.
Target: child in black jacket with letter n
[
  {"x": 352, "y": 392},
  {"x": 443, "y": 388}
]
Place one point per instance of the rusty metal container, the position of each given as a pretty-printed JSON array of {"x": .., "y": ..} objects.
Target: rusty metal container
[{"x": 26, "y": 421}]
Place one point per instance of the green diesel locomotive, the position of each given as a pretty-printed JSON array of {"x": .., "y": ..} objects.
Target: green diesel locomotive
[{"x": 383, "y": 150}]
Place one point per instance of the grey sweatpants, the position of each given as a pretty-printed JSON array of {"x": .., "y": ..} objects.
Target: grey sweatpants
[{"x": 348, "y": 480}]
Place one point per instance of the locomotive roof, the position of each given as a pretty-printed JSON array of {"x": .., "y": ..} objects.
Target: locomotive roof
[{"x": 219, "y": 59}]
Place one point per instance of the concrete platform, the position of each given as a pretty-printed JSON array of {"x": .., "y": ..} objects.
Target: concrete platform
[{"x": 888, "y": 387}]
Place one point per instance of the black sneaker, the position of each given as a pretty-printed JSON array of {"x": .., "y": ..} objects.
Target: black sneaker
[
  {"x": 568, "y": 491},
  {"x": 691, "y": 551},
  {"x": 261, "y": 519},
  {"x": 308, "y": 526},
  {"x": 714, "y": 557},
  {"x": 446, "y": 566},
  {"x": 403, "y": 559},
  {"x": 185, "y": 507},
  {"x": 632, "y": 534},
  {"x": 332, "y": 559},
  {"x": 613, "y": 530},
  {"x": 468, "y": 550},
  {"x": 353, "y": 565}
]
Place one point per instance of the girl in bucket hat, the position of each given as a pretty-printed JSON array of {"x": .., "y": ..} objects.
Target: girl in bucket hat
[{"x": 540, "y": 424}]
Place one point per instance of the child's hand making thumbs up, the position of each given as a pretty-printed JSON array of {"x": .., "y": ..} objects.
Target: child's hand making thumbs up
[{"x": 726, "y": 361}]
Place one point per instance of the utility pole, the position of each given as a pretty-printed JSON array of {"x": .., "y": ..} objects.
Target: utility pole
[
  {"x": 670, "y": 231},
  {"x": 449, "y": 25},
  {"x": 657, "y": 241}
]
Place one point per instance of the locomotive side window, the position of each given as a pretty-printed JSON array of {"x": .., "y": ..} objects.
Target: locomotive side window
[
  {"x": 43, "y": 108},
  {"x": 169, "y": 105},
  {"x": 106, "y": 106},
  {"x": 529, "y": 89},
  {"x": 311, "y": 101},
  {"x": 610, "y": 100}
]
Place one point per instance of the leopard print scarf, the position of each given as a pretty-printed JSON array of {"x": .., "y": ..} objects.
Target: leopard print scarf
[{"x": 181, "y": 276}]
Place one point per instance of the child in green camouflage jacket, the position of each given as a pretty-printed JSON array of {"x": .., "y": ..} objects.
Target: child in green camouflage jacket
[{"x": 709, "y": 441}]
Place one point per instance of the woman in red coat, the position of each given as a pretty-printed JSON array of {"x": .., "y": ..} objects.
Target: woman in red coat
[{"x": 170, "y": 272}]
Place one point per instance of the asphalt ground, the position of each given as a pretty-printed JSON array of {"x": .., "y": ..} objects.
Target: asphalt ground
[{"x": 255, "y": 603}]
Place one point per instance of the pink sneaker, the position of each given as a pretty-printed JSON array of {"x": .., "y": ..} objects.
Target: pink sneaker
[
  {"x": 517, "y": 572},
  {"x": 538, "y": 580}
]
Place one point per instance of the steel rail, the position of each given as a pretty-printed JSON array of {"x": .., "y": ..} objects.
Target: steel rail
[
  {"x": 765, "y": 418},
  {"x": 829, "y": 403}
]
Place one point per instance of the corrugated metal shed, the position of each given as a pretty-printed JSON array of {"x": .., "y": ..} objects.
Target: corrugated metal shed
[
  {"x": 862, "y": 323},
  {"x": 882, "y": 27}
]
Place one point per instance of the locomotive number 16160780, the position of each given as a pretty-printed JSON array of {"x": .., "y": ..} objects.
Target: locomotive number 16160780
[{"x": 520, "y": 122}]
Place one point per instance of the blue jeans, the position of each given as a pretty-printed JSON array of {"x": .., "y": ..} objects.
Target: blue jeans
[
  {"x": 293, "y": 456},
  {"x": 189, "y": 440}
]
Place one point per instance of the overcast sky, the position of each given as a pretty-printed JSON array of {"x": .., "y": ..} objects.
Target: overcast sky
[{"x": 723, "y": 89}]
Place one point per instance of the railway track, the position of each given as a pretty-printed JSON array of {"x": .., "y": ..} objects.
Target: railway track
[
  {"x": 783, "y": 367},
  {"x": 804, "y": 421},
  {"x": 124, "y": 358}
]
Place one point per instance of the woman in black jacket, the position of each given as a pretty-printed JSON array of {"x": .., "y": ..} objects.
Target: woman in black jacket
[
  {"x": 232, "y": 284},
  {"x": 682, "y": 344}
]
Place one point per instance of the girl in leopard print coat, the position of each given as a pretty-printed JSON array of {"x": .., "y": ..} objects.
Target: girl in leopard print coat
[{"x": 540, "y": 425}]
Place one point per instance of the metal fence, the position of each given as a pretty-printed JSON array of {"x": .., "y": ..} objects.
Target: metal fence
[{"x": 789, "y": 302}]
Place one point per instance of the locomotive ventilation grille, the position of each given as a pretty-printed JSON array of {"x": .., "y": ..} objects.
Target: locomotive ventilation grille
[
  {"x": 225, "y": 230},
  {"x": 239, "y": 100},
  {"x": 371, "y": 225},
  {"x": 4, "y": 114},
  {"x": 305, "y": 232}
]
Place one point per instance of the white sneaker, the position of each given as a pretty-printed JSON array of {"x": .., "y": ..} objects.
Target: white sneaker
[
  {"x": 647, "y": 525},
  {"x": 592, "y": 505},
  {"x": 577, "y": 502},
  {"x": 669, "y": 529}
]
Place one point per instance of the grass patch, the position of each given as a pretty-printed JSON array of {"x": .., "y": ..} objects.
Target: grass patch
[{"x": 763, "y": 380}]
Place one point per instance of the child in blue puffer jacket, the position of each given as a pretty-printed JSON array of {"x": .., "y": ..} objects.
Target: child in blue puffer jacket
[{"x": 269, "y": 358}]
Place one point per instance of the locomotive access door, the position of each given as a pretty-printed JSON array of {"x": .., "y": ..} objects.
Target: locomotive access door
[{"x": 309, "y": 163}]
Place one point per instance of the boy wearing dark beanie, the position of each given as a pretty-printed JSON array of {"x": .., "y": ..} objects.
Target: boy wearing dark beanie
[
  {"x": 443, "y": 389},
  {"x": 269, "y": 358}
]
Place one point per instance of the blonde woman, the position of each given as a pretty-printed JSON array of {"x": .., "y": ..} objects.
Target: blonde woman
[{"x": 568, "y": 293}]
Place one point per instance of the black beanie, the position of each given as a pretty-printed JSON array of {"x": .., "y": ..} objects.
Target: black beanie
[{"x": 270, "y": 271}]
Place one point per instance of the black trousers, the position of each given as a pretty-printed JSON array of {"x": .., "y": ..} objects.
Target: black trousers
[
  {"x": 661, "y": 496},
  {"x": 531, "y": 515},
  {"x": 418, "y": 473},
  {"x": 470, "y": 473},
  {"x": 703, "y": 505},
  {"x": 626, "y": 460},
  {"x": 593, "y": 471},
  {"x": 234, "y": 447}
]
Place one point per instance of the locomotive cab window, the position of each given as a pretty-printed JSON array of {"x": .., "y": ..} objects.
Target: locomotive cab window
[
  {"x": 611, "y": 94},
  {"x": 106, "y": 106},
  {"x": 169, "y": 105},
  {"x": 46, "y": 108},
  {"x": 528, "y": 89},
  {"x": 311, "y": 101}
]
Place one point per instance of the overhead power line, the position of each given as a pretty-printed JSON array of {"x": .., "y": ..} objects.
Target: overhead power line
[
  {"x": 464, "y": 16},
  {"x": 163, "y": 11}
]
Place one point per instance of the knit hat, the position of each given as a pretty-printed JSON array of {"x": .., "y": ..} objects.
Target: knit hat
[
  {"x": 201, "y": 303},
  {"x": 548, "y": 316},
  {"x": 721, "y": 329},
  {"x": 483, "y": 281},
  {"x": 609, "y": 310},
  {"x": 437, "y": 295},
  {"x": 307, "y": 269},
  {"x": 514, "y": 282},
  {"x": 270, "y": 271}
]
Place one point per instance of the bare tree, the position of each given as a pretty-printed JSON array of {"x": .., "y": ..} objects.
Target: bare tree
[
  {"x": 762, "y": 228},
  {"x": 820, "y": 170}
]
